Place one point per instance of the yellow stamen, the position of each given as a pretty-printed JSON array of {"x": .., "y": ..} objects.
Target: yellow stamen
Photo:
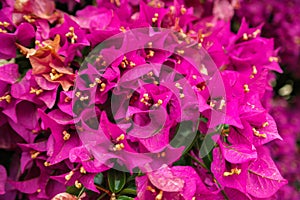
[
  {"x": 103, "y": 86},
  {"x": 181, "y": 95},
  {"x": 255, "y": 33},
  {"x": 71, "y": 34},
  {"x": 225, "y": 132},
  {"x": 28, "y": 18},
  {"x": 34, "y": 154},
  {"x": 180, "y": 52},
  {"x": 132, "y": 64},
  {"x": 151, "y": 189},
  {"x": 46, "y": 164},
  {"x": 37, "y": 92},
  {"x": 77, "y": 94},
  {"x": 97, "y": 81},
  {"x": 201, "y": 86},
  {"x": 246, "y": 88},
  {"x": 155, "y": 82},
  {"x": 84, "y": 98},
  {"x": 92, "y": 85},
  {"x": 159, "y": 102},
  {"x": 245, "y": 36},
  {"x": 145, "y": 99},
  {"x": 5, "y": 24},
  {"x": 47, "y": 46},
  {"x": 258, "y": 134},
  {"x": 150, "y": 73},
  {"x": 122, "y": 28},
  {"x": 265, "y": 124},
  {"x": 54, "y": 75},
  {"x": 178, "y": 86},
  {"x": 162, "y": 154},
  {"x": 66, "y": 135},
  {"x": 7, "y": 98},
  {"x": 254, "y": 71},
  {"x": 159, "y": 196},
  {"x": 172, "y": 9},
  {"x": 123, "y": 65},
  {"x": 199, "y": 45},
  {"x": 113, "y": 196},
  {"x": 222, "y": 104},
  {"x": 155, "y": 18},
  {"x": 118, "y": 147},
  {"x": 146, "y": 96},
  {"x": 212, "y": 103},
  {"x": 38, "y": 43},
  {"x": 3, "y": 31},
  {"x": 151, "y": 54},
  {"x": 38, "y": 190},
  {"x": 82, "y": 170},
  {"x": 232, "y": 172},
  {"x": 209, "y": 24},
  {"x": 273, "y": 59},
  {"x": 182, "y": 10},
  {"x": 78, "y": 184},
  {"x": 69, "y": 176},
  {"x": 121, "y": 137},
  {"x": 183, "y": 35},
  {"x": 125, "y": 60}
]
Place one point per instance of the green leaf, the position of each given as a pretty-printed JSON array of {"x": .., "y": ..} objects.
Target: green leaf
[
  {"x": 98, "y": 180},
  {"x": 131, "y": 191},
  {"x": 116, "y": 180},
  {"x": 185, "y": 136},
  {"x": 207, "y": 145},
  {"x": 124, "y": 198},
  {"x": 131, "y": 178},
  {"x": 73, "y": 190},
  {"x": 208, "y": 159},
  {"x": 203, "y": 119}
]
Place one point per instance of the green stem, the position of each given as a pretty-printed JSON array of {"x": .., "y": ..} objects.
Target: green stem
[
  {"x": 81, "y": 192},
  {"x": 103, "y": 190},
  {"x": 197, "y": 161},
  {"x": 222, "y": 191},
  {"x": 102, "y": 196},
  {"x": 224, "y": 194}
]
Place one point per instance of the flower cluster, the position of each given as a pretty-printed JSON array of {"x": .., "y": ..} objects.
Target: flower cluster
[
  {"x": 160, "y": 89},
  {"x": 281, "y": 21}
]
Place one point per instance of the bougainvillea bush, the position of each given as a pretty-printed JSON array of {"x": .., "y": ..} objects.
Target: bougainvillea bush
[
  {"x": 277, "y": 17},
  {"x": 128, "y": 99}
]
